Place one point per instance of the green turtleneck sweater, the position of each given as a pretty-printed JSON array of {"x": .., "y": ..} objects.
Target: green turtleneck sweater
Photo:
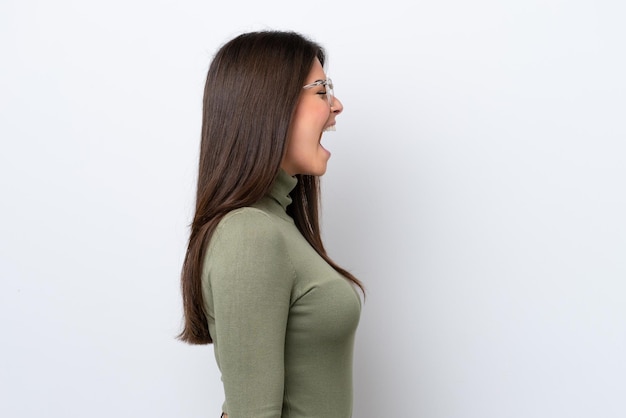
[{"x": 282, "y": 320}]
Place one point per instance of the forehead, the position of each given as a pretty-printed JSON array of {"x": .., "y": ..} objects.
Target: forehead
[{"x": 316, "y": 73}]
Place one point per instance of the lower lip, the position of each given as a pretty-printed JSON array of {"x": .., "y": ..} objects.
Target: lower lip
[{"x": 327, "y": 152}]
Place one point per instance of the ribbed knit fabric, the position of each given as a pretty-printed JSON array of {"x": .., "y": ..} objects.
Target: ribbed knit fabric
[{"x": 282, "y": 320}]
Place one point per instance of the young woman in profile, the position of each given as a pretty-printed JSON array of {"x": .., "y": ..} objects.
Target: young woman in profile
[{"x": 256, "y": 280}]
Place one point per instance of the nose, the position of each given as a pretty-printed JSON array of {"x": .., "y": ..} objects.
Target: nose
[{"x": 337, "y": 106}]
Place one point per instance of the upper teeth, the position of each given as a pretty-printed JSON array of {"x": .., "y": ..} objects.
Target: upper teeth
[{"x": 330, "y": 128}]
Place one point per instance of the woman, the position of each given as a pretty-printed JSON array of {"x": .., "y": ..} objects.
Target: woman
[{"x": 256, "y": 280}]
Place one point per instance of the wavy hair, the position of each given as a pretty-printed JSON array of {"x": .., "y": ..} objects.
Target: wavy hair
[{"x": 250, "y": 96}]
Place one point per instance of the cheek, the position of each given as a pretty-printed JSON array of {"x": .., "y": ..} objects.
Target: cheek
[
  {"x": 309, "y": 125},
  {"x": 312, "y": 109}
]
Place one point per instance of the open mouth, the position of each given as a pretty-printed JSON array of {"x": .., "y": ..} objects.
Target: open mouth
[{"x": 330, "y": 128}]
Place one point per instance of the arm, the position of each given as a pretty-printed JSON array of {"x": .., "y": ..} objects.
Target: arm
[{"x": 250, "y": 277}]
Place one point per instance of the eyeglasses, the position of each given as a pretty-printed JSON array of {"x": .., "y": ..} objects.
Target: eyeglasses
[{"x": 328, "y": 83}]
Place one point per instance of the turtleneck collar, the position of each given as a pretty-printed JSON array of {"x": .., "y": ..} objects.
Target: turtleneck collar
[{"x": 283, "y": 185}]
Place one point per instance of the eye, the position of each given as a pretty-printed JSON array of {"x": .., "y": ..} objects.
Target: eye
[{"x": 322, "y": 93}]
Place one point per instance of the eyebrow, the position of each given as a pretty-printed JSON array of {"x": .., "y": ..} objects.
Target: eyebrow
[{"x": 318, "y": 82}]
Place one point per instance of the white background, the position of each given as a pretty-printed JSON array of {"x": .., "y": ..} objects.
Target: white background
[{"x": 477, "y": 187}]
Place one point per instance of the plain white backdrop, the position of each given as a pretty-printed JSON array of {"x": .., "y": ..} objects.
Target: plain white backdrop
[{"x": 477, "y": 187}]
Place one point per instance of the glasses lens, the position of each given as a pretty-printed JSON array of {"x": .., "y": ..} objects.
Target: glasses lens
[{"x": 330, "y": 92}]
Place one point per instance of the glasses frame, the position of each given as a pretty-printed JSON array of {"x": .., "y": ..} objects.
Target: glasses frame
[{"x": 330, "y": 90}]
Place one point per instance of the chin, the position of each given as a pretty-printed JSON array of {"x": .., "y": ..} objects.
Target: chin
[
  {"x": 318, "y": 171},
  {"x": 312, "y": 167}
]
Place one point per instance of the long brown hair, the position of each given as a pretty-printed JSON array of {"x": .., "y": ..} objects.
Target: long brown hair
[{"x": 251, "y": 92}]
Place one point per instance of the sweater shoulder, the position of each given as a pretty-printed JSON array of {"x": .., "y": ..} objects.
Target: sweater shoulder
[
  {"x": 248, "y": 243},
  {"x": 249, "y": 230},
  {"x": 247, "y": 220}
]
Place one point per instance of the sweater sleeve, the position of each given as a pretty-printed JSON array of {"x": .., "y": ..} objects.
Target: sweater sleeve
[{"x": 250, "y": 278}]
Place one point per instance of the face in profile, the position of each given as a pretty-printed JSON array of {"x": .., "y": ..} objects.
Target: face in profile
[{"x": 313, "y": 116}]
